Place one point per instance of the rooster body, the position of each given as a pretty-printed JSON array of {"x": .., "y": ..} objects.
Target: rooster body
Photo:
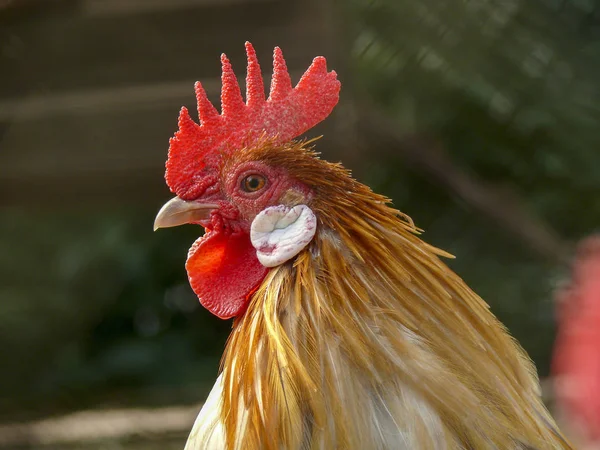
[{"x": 364, "y": 338}]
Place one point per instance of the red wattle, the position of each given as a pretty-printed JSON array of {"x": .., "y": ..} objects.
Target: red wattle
[{"x": 224, "y": 272}]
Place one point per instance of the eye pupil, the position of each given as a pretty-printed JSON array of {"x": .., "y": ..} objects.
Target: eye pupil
[{"x": 253, "y": 183}]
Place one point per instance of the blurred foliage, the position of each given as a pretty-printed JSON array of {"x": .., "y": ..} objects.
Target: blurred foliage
[
  {"x": 510, "y": 87},
  {"x": 96, "y": 308},
  {"x": 95, "y": 303}
]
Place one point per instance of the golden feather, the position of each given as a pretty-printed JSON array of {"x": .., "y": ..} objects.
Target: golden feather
[{"x": 367, "y": 340}]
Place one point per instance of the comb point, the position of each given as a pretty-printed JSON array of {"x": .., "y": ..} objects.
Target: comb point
[
  {"x": 185, "y": 122},
  {"x": 319, "y": 65},
  {"x": 255, "y": 90},
  {"x": 316, "y": 78},
  {"x": 281, "y": 83},
  {"x": 231, "y": 96},
  {"x": 206, "y": 110}
]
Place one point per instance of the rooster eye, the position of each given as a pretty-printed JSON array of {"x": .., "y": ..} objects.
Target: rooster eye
[{"x": 253, "y": 183}]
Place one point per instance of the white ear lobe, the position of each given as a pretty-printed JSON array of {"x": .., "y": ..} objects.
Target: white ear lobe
[{"x": 279, "y": 233}]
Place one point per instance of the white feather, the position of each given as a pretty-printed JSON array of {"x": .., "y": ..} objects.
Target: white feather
[{"x": 208, "y": 432}]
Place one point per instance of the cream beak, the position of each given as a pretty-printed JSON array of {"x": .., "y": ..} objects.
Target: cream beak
[{"x": 178, "y": 212}]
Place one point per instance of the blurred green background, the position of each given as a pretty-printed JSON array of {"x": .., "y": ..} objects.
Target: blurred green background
[{"x": 479, "y": 118}]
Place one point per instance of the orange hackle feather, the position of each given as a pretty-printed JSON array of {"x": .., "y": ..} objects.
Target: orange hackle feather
[{"x": 367, "y": 340}]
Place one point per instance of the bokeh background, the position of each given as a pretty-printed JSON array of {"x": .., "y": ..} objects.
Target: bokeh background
[{"x": 480, "y": 118}]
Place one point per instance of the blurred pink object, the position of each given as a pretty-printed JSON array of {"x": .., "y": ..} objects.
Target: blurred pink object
[{"x": 576, "y": 363}]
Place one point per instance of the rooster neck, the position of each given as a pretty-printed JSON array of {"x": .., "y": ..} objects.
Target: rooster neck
[{"x": 368, "y": 341}]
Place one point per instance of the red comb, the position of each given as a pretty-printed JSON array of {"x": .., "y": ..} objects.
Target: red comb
[{"x": 195, "y": 150}]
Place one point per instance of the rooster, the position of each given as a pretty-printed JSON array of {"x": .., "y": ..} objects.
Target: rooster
[
  {"x": 349, "y": 331},
  {"x": 576, "y": 363}
]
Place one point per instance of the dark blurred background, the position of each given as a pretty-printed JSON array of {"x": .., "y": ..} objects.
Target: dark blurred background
[{"x": 480, "y": 119}]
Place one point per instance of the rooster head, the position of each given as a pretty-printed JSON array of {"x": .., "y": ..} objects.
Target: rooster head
[{"x": 255, "y": 214}]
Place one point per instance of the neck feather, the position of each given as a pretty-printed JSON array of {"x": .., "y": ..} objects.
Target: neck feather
[{"x": 367, "y": 340}]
